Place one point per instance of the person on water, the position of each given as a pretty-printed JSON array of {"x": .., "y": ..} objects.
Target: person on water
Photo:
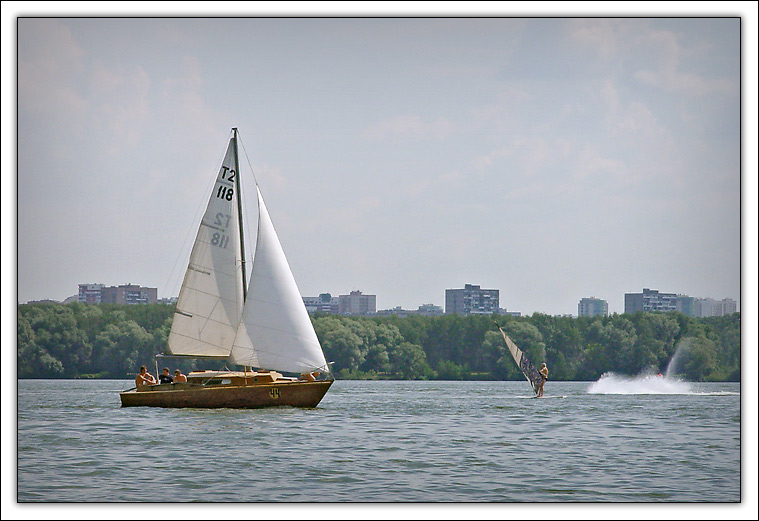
[
  {"x": 179, "y": 377},
  {"x": 543, "y": 377},
  {"x": 165, "y": 378},
  {"x": 144, "y": 378}
]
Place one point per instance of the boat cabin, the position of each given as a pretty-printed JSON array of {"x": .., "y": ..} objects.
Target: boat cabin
[{"x": 211, "y": 377}]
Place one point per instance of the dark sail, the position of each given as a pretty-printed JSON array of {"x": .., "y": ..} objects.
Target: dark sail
[{"x": 529, "y": 371}]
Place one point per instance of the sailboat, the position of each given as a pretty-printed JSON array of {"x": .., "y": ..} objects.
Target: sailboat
[
  {"x": 262, "y": 326},
  {"x": 524, "y": 364}
]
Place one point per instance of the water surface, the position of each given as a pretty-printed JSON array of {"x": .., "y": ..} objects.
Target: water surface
[{"x": 386, "y": 441}]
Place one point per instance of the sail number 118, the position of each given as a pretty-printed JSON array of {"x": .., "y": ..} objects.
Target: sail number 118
[{"x": 225, "y": 192}]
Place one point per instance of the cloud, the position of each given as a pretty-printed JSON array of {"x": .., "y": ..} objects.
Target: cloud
[
  {"x": 57, "y": 82},
  {"x": 351, "y": 218},
  {"x": 49, "y": 64},
  {"x": 599, "y": 35},
  {"x": 526, "y": 155},
  {"x": 656, "y": 57},
  {"x": 120, "y": 103},
  {"x": 610, "y": 97},
  {"x": 443, "y": 183},
  {"x": 592, "y": 163},
  {"x": 408, "y": 127},
  {"x": 671, "y": 80},
  {"x": 667, "y": 53}
]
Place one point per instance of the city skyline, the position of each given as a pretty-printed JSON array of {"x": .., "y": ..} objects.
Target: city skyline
[
  {"x": 168, "y": 298},
  {"x": 523, "y": 169}
]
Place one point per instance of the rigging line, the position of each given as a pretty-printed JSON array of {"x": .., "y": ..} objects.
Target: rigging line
[
  {"x": 248, "y": 227},
  {"x": 183, "y": 253},
  {"x": 239, "y": 139}
]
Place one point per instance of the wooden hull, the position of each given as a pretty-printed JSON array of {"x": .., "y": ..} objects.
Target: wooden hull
[{"x": 253, "y": 396}]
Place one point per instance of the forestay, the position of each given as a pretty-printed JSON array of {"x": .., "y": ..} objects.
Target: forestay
[
  {"x": 210, "y": 300},
  {"x": 275, "y": 331}
]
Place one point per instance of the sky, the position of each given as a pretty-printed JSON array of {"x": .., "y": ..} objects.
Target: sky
[{"x": 549, "y": 158}]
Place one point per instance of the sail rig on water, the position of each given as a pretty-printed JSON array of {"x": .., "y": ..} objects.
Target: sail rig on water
[
  {"x": 262, "y": 324},
  {"x": 528, "y": 370}
]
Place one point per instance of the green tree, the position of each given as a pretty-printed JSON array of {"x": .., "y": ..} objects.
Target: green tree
[
  {"x": 698, "y": 359},
  {"x": 56, "y": 340},
  {"x": 655, "y": 341},
  {"x": 33, "y": 361},
  {"x": 493, "y": 348},
  {"x": 56, "y": 333},
  {"x": 341, "y": 344},
  {"x": 123, "y": 348},
  {"x": 410, "y": 363},
  {"x": 618, "y": 338},
  {"x": 447, "y": 370},
  {"x": 384, "y": 338}
]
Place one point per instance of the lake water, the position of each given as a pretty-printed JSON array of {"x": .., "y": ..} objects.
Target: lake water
[{"x": 390, "y": 441}]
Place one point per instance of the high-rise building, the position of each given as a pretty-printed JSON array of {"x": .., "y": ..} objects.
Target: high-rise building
[
  {"x": 429, "y": 310},
  {"x": 357, "y": 304},
  {"x": 471, "y": 300},
  {"x": 650, "y": 300},
  {"x": 591, "y": 307},
  {"x": 90, "y": 293},
  {"x": 124, "y": 294},
  {"x": 425, "y": 310},
  {"x": 128, "y": 294},
  {"x": 324, "y": 303},
  {"x": 729, "y": 306},
  {"x": 686, "y": 305},
  {"x": 708, "y": 307}
]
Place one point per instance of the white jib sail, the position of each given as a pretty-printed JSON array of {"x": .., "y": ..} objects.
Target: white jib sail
[
  {"x": 275, "y": 331},
  {"x": 210, "y": 300}
]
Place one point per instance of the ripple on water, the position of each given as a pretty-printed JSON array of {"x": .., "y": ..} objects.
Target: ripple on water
[{"x": 382, "y": 441}]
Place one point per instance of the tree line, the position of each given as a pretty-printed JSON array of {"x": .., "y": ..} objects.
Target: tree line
[{"x": 112, "y": 341}]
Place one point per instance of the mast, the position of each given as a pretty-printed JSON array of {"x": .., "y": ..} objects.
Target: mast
[{"x": 239, "y": 214}]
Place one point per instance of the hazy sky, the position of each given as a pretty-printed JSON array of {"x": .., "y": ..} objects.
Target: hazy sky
[{"x": 550, "y": 158}]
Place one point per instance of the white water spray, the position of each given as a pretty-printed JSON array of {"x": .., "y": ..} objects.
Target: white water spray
[
  {"x": 672, "y": 367},
  {"x": 648, "y": 383}
]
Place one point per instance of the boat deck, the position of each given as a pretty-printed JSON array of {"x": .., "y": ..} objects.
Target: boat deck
[{"x": 236, "y": 389}]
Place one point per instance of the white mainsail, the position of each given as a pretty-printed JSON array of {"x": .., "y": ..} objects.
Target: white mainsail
[
  {"x": 275, "y": 331},
  {"x": 211, "y": 298}
]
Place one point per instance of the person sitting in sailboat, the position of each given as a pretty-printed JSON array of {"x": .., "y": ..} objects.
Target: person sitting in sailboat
[
  {"x": 311, "y": 377},
  {"x": 165, "y": 378},
  {"x": 179, "y": 377},
  {"x": 144, "y": 378}
]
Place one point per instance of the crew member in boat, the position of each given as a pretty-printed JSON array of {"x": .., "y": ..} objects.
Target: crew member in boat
[
  {"x": 166, "y": 377},
  {"x": 311, "y": 377},
  {"x": 144, "y": 378},
  {"x": 543, "y": 377},
  {"x": 179, "y": 377}
]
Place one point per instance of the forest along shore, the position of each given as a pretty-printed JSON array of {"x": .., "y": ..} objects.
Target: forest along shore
[{"x": 112, "y": 341}]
